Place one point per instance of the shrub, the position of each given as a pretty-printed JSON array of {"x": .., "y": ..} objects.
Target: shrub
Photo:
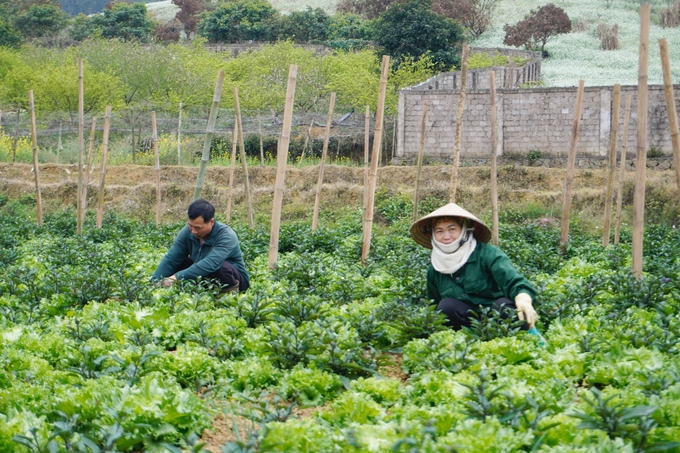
[
  {"x": 670, "y": 17},
  {"x": 474, "y": 15},
  {"x": 537, "y": 27},
  {"x": 609, "y": 36}
]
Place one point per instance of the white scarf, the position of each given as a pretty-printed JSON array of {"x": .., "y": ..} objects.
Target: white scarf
[{"x": 448, "y": 258}]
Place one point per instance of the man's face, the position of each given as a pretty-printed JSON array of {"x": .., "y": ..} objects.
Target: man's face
[{"x": 199, "y": 228}]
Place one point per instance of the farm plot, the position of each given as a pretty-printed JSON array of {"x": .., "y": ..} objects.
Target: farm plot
[{"x": 325, "y": 355}]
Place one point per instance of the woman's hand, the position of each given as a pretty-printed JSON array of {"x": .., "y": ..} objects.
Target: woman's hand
[{"x": 525, "y": 310}]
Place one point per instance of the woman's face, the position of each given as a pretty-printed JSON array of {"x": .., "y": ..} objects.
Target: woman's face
[{"x": 446, "y": 231}]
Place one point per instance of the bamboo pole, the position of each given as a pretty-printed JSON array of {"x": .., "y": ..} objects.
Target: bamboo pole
[
  {"x": 259, "y": 132},
  {"x": 102, "y": 177},
  {"x": 367, "y": 141},
  {"x": 16, "y": 135},
  {"x": 304, "y": 147},
  {"x": 459, "y": 124},
  {"x": 88, "y": 165},
  {"x": 179, "y": 136},
  {"x": 59, "y": 145},
  {"x": 81, "y": 146},
  {"x": 282, "y": 159},
  {"x": 421, "y": 149},
  {"x": 394, "y": 136},
  {"x": 375, "y": 159},
  {"x": 244, "y": 162},
  {"x": 36, "y": 168},
  {"x": 494, "y": 157},
  {"x": 670, "y": 108},
  {"x": 571, "y": 163},
  {"x": 622, "y": 170},
  {"x": 154, "y": 137},
  {"x": 205, "y": 157},
  {"x": 317, "y": 200},
  {"x": 612, "y": 165},
  {"x": 132, "y": 127},
  {"x": 234, "y": 144},
  {"x": 641, "y": 164}
]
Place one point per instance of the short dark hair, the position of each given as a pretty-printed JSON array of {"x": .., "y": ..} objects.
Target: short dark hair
[{"x": 201, "y": 208}]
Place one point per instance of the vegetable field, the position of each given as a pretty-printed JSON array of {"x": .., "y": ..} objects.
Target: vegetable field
[{"x": 324, "y": 355}]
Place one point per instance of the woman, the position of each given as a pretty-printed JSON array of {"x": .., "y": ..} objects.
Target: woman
[{"x": 466, "y": 272}]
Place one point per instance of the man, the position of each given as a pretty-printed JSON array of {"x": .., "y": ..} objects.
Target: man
[{"x": 204, "y": 248}]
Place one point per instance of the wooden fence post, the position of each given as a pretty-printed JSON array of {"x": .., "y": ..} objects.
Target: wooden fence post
[
  {"x": 81, "y": 146},
  {"x": 259, "y": 132},
  {"x": 375, "y": 159},
  {"x": 641, "y": 164},
  {"x": 36, "y": 168},
  {"x": 154, "y": 137},
  {"x": 244, "y": 162},
  {"x": 571, "y": 163},
  {"x": 459, "y": 124},
  {"x": 421, "y": 149},
  {"x": 622, "y": 171},
  {"x": 670, "y": 107},
  {"x": 494, "y": 157},
  {"x": 282, "y": 160},
  {"x": 612, "y": 166},
  {"x": 102, "y": 177},
  {"x": 88, "y": 165},
  {"x": 179, "y": 136},
  {"x": 367, "y": 141},
  {"x": 234, "y": 145},
  {"x": 210, "y": 130},
  {"x": 317, "y": 200}
]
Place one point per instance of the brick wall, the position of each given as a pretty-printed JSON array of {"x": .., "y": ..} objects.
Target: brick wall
[{"x": 528, "y": 119}]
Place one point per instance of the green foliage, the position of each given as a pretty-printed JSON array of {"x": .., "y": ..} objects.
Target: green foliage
[
  {"x": 480, "y": 60},
  {"x": 243, "y": 20},
  {"x": 308, "y": 26},
  {"x": 412, "y": 28},
  {"x": 40, "y": 20},
  {"x": 127, "y": 22}
]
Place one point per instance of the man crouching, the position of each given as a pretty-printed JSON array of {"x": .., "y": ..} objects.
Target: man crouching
[{"x": 204, "y": 248}]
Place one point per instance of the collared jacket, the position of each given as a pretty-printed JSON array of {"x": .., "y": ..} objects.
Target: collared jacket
[
  {"x": 220, "y": 245},
  {"x": 487, "y": 276}
]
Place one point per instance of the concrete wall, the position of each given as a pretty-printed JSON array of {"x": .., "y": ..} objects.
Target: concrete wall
[{"x": 528, "y": 119}]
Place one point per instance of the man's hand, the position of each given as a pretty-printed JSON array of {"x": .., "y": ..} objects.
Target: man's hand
[
  {"x": 525, "y": 310},
  {"x": 169, "y": 281}
]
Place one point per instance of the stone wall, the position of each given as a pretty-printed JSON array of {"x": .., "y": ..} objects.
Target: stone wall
[{"x": 539, "y": 119}]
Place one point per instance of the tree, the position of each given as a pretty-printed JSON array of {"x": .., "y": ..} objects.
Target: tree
[
  {"x": 126, "y": 22},
  {"x": 9, "y": 36},
  {"x": 412, "y": 28},
  {"x": 306, "y": 26},
  {"x": 538, "y": 27},
  {"x": 238, "y": 21},
  {"x": 188, "y": 14},
  {"x": 40, "y": 20},
  {"x": 473, "y": 15}
]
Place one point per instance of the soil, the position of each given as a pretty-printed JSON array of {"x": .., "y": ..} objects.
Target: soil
[{"x": 130, "y": 189}]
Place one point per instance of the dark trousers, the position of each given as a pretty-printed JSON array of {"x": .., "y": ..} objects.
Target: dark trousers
[
  {"x": 459, "y": 312},
  {"x": 226, "y": 276}
]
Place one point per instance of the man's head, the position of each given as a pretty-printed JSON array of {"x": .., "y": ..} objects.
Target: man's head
[{"x": 201, "y": 218}]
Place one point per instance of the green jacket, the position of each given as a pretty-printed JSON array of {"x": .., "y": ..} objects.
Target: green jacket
[
  {"x": 220, "y": 245},
  {"x": 487, "y": 276}
]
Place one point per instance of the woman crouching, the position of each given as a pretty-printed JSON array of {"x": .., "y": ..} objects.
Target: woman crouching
[{"x": 467, "y": 273}]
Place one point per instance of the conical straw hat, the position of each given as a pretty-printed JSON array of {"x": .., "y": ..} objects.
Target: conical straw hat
[{"x": 421, "y": 229}]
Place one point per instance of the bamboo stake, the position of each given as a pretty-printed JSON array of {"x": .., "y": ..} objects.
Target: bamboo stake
[
  {"x": 205, "y": 157},
  {"x": 132, "y": 127},
  {"x": 36, "y": 168},
  {"x": 375, "y": 159},
  {"x": 612, "y": 165},
  {"x": 59, "y": 145},
  {"x": 88, "y": 165},
  {"x": 234, "y": 144},
  {"x": 102, "y": 177},
  {"x": 494, "y": 157},
  {"x": 179, "y": 136},
  {"x": 259, "y": 132},
  {"x": 282, "y": 159},
  {"x": 367, "y": 140},
  {"x": 16, "y": 135},
  {"x": 421, "y": 149},
  {"x": 154, "y": 137},
  {"x": 244, "y": 162},
  {"x": 670, "y": 108},
  {"x": 571, "y": 162},
  {"x": 459, "y": 124},
  {"x": 622, "y": 170},
  {"x": 81, "y": 146},
  {"x": 394, "y": 136},
  {"x": 317, "y": 200},
  {"x": 304, "y": 147},
  {"x": 641, "y": 164}
]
